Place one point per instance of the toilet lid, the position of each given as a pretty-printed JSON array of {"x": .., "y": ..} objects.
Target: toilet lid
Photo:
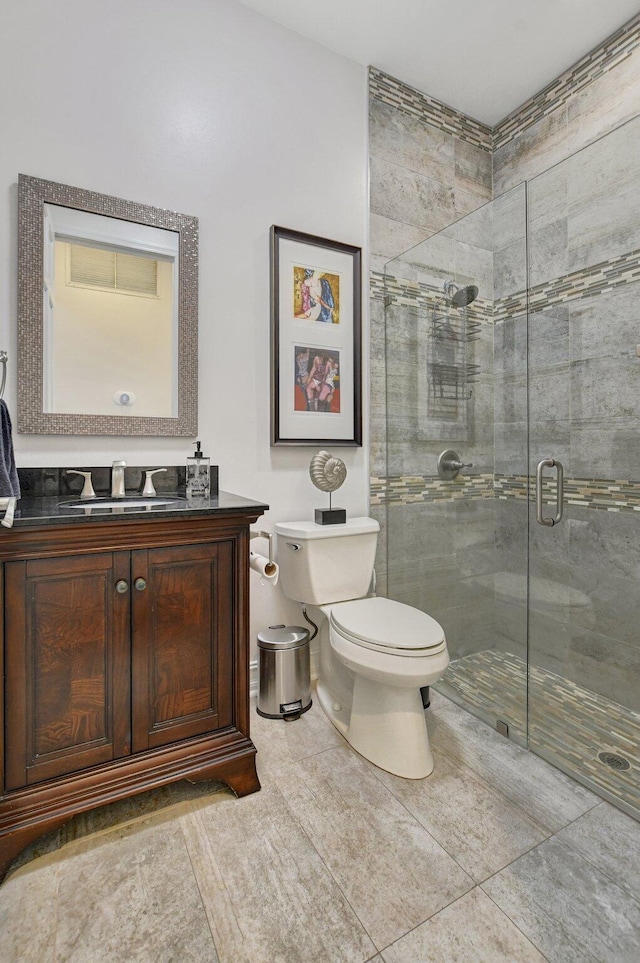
[{"x": 387, "y": 624}]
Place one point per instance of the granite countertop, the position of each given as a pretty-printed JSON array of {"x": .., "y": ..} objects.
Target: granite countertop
[{"x": 52, "y": 510}]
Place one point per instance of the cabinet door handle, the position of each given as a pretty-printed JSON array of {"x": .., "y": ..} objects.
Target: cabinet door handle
[
  {"x": 140, "y": 584},
  {"x": 122, "y": 586}
]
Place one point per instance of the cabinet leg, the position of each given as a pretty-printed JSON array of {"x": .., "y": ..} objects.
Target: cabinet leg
[
  {"x": 240, "y": 775},
  {"x": 12, "y": 844}
]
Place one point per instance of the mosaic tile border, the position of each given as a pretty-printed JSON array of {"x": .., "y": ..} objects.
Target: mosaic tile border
[
  {"x": 397, "y": 94},
  {"x": 568, "y": 724},
  {"x": 376, "y": 285},
  {"x": 512, "y": 486},
  {"x": 602, "y": 494},
  {"x": 403, "y": 292},
  {"x": 408, "y": 489},
  {"x": 586, "y": 283},
  {"x": 603, "y": 58}
]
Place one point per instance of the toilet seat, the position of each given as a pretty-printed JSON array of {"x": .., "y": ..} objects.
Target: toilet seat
[{"x": 388, "y": 626}]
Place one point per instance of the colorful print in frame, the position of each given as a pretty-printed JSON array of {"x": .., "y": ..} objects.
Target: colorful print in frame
[
  {"x": 316, "y": 295},
  {"x": 316, "y": 331},
  {"x": 317, "y": 376}
]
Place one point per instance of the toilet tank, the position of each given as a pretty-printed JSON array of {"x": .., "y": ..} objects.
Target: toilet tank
[{"x": 326, "y": 563}]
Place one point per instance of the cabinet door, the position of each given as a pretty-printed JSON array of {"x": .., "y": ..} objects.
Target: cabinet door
[
  {"x": 183, "y": 629},
  {"x": 67, "y": 665}
]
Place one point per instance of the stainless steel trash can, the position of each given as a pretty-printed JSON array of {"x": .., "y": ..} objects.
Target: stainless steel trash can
[{"x": 285, "y": 676}]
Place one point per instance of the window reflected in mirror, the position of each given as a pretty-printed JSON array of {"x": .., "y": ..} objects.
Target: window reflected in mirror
[
  {"x": 110, "y": 316},
  {"x": 107, "y": 314}
]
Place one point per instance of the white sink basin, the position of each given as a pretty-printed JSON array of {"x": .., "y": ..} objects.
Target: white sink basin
[{"x": 129, "y": 501}]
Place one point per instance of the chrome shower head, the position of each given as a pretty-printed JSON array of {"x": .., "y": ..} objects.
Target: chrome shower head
[
  {"x": 460, "y": 297},
  {"x": 464, "y": 296}
]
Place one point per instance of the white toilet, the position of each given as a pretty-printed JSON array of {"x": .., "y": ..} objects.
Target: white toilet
[{"x": 375, "y": 654}]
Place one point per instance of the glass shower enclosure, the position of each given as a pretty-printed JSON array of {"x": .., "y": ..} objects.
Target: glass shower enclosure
[{"x": 512, "y": 485}]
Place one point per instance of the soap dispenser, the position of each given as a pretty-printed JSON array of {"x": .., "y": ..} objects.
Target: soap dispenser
[{"x": 198, "y": 474}]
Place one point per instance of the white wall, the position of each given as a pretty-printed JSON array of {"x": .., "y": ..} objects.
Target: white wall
[{"x": 204, "y": 107}]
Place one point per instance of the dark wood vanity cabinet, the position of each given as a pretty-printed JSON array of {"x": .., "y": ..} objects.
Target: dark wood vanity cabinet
[
  {"x": 182, "y": 643},
  {"x": 67, "y": 673},
  {"x": 125, "y": 668}
]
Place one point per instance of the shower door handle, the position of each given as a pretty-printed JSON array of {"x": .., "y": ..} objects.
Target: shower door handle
[{"x": 549, "y": 463}]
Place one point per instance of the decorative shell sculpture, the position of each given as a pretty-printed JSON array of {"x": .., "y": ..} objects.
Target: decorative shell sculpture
[{"x": 327, "y": 473}]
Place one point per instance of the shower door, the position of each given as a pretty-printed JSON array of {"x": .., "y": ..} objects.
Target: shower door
[
  {"x": 455, "y": 365},
  {"x": 584, "y": 417},
  {"x": 530, "y": 556}
]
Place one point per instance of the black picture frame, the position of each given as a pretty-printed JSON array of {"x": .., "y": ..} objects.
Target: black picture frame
[{"x": 316, "y": 321}]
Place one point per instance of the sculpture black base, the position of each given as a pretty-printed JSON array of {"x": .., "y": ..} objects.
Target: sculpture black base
[{"x": 330, "y": 516}]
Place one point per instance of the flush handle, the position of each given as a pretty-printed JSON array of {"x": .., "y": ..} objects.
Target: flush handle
[{"x": 294, "y": 546}]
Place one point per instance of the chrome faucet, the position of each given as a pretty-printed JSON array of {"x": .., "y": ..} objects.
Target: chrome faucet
[
  {"x": 117, "y": 479},
  {"x": 87, "y": 488}
]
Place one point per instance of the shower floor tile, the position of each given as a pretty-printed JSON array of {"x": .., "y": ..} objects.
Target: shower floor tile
[
  {"x": 493, "y": 685},
  {"x": 568, "y": 725}
]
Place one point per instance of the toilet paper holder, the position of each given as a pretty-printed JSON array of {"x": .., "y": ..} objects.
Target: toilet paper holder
[{"x": 269, "y": 537}]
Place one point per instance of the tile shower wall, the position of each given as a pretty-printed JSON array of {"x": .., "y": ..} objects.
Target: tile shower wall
[
  {"x": 583, "y": 247},
  {"x": 591, "y": 98},
  {"x": 440, "y": 533},
  {"x": 583, "y": 253},
  {"x": 584, "y": 383},
  {"x": 429, "y": 165},
  {"x": 426, "y": 167}
]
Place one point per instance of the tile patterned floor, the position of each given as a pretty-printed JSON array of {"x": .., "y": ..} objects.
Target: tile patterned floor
[
  {"x": 568, "y": 725},
  {"x": 495, "y": 857}
]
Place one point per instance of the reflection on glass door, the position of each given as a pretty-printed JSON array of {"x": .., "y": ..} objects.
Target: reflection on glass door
[
  {"x": 530, "y": 556},
  {"x": 455, "y": 364},
  {"x": 584, "y": 413}
]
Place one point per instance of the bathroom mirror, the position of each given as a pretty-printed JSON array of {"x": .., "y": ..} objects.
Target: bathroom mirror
[{"x": 107, "y": 314}]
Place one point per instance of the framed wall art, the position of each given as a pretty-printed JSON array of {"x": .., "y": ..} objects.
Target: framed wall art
[{"x": 316, "y": 331}]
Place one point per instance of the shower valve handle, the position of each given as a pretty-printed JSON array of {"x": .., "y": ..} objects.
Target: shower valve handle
[{"x": 449, "y": 464}]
